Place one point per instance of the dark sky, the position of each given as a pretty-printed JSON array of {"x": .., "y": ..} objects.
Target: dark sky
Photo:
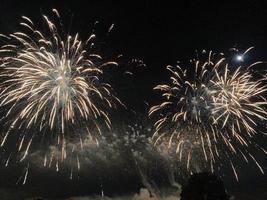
[{"x": 157, "y": 32}]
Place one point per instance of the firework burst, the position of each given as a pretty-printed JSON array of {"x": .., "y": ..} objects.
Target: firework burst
[
  {"x": 51, "y": 82},
  {"x": 213, "y": 109}
]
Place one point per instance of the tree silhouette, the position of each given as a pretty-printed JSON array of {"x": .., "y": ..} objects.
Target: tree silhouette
[{"x": 204, "y": 186}]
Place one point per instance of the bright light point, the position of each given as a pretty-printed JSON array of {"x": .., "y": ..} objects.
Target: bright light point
[{"x": 239, "y": 58}]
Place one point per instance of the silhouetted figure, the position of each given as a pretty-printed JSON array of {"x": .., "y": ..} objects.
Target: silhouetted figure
[{"x": 204, "y": 186}]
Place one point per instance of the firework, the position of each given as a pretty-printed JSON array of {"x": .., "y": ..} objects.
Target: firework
[
  {"x": 214, "y": 109},
  {"x": 51, "y": 82}
]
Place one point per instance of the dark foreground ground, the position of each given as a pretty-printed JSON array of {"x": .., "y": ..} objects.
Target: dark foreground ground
[{"x": 8, "y": 194}]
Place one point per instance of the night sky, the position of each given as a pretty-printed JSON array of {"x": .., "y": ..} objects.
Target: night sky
[{"x": 158, "y": 33}]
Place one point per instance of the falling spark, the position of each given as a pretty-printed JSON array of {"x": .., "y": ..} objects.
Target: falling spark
[
  {"x": 26, "y": 175},
  {"x": 234, "y": 170}
]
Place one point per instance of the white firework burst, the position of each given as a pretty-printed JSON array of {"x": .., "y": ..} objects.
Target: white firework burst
[
  {"x": 211, "y": 109},
  {"x": 52, "y": 81}
]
